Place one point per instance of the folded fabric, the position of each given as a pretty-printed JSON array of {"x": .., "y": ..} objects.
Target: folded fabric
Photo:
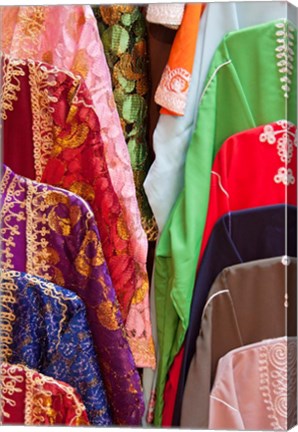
[
  {"x": 247, "y": 303},
  {"x": 45, "y": 328},
  {"x": 51, "y": 233},
  {"x": 31, "y": 398},
  {"x": 67, "y": 37},
  {"x": 265, "y": 401},
  {"x": 52, "y": 115}
]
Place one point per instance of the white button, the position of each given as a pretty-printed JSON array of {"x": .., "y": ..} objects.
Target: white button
[{"x": 286, "y": 260}]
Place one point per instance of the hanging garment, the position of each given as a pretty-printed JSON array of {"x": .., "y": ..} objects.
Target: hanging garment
[
  {"x": 254, "y": 96},
  {"x": 45, "y": 328},
  {"x": 253, "y": 168},
  {"x": 247, "y": 303},
  {"x": 67, "y": 37},
  {"x": 123, "y": 32},
  {"x": 240, "y": 180},
  {"x": 52, "y": 233},
  {"x": 255, "y": 387},
  {"x": 238, "y": 237},
  {"x": 173, "y": 134},
  {"x": 31, "y": 398},
  {"x": 51, "y": 114},
  {"x": 173, "y": 88},
  {"x": 166, "y": 14}
]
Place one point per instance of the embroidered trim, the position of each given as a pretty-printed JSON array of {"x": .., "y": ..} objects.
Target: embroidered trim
[
  {"x": 42, "y": 121},
  {"x": 7, "y": 316},
  {"x": 277, "y": 367},
  {"x": 38, "y": 399},
  {"x": 286, "y": 144},
  {"x": 11, "y": 70},
  {"x": 36, "y": 232},
  {"x": 11, "y": 216},
  {"x": 172, "y": 91},
  {"x": 285, "y": 54}
]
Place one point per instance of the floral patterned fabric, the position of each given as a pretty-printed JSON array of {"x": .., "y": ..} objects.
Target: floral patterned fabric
[
  {"x": 123, "y": 32},
  {"x": 62, "y": 133},
  {"x": 31, "y": 398},
  {"x": 67, "y": 37},
  {"x": 52, "y": 233},
  {"x": 44, "y": 327}
]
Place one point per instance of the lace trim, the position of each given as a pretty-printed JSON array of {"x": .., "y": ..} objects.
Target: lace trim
[
  {"x": 286, "y": 144},
  {"x": 173, "y": 88},
  {"x": 285, "y": 54},
  {"x": 31, "y": 24},
  {"x": 12, "y": 69},
  {"x": 10, "y": 217},
  {"x": 42, "y": 121},
  {"x": 169, "y": 15},
  {"x": 277, "y": 364},
  {"x": 7, "y": 316}
]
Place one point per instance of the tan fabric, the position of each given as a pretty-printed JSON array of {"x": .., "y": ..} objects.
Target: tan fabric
[{"x": 246, "y": 304}]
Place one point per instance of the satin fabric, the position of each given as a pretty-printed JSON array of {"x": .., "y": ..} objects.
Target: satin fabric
[
  {"x": 63, "y": 137},
  {"x": 51, "y": 233},
  {"x": 237, "y": 237},
  {"x": 247, "y": 303},
  {"x": 254, "y": 95},
  {"x": 31, "y": 398},
  {"x": 67, "y": 37},
  {"x": 46, "y": 329},
  {"x": 255, "y": 404}
]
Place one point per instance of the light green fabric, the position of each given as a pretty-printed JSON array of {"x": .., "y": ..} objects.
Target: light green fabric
[{"x": 243, "y": 90}]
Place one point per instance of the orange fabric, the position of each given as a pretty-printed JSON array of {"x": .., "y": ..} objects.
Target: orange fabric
[{"x": 172, "y": 91}]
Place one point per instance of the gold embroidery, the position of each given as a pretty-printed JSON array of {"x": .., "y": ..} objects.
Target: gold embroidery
[
  {"x": 11, "y": 215},
  {"x": 141, "y": 292},
  {"x": 81, "y": 63},
  {"x": 107, "y": 315},
  {"x": 38, "y": 398},
  {"x": 47, "y": 57},
  {"x": 122, "y": 229},
  {"x": 7, "y": 296},
  {"x": 60, "y": 202},
  {"x": 30, "y": 25},
  {"x": 37, "y": 231},
  {"x": 84, "y": 190},
  {"x": 42, "y": 122},
  {"x": 76, "y": 137},
  {"x": 12, "y": 69},
  {"x": 90, "y": 255}
]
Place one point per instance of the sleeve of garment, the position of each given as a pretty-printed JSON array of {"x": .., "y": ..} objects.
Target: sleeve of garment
[{"x": 224, "y": 416}]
